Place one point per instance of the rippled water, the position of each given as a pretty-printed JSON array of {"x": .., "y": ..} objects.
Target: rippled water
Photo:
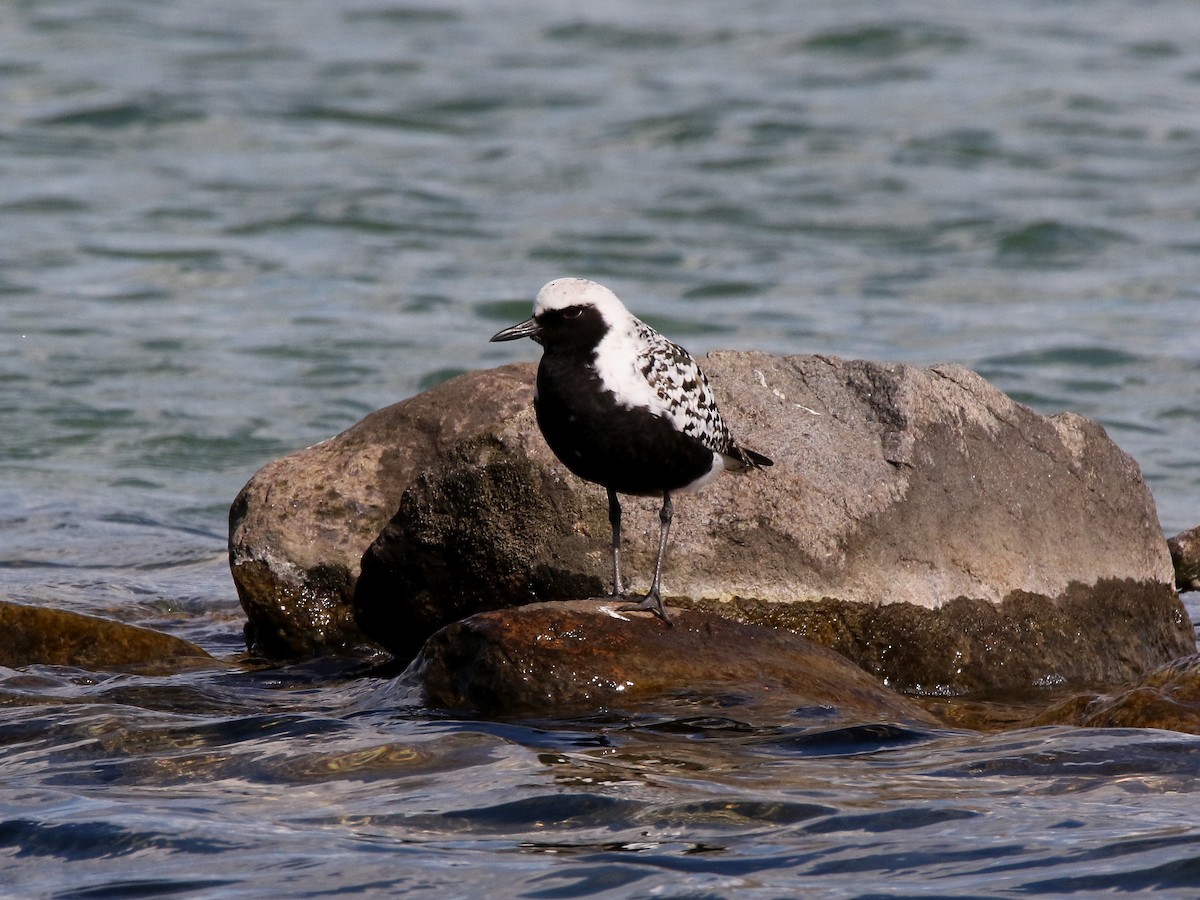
[{"x": 230, "y": 230}]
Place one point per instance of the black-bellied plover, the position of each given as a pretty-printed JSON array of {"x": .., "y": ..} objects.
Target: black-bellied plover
[{"x": 625, "y": 408}]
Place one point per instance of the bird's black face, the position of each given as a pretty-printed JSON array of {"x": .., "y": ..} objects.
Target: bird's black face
[{"x": 570, "y": 328}]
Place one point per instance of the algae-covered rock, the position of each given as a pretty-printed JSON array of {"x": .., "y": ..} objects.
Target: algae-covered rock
[
  {"x": 1167, "y": 698},
  {"x": 32, "y": 635}
]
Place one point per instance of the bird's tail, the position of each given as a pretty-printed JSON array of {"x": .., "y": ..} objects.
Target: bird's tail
[{"x": 741, "y": 458}]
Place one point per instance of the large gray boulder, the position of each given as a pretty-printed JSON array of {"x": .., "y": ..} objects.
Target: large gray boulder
[
  {"x": 300, "y": 526},
  {"x": 917, "y": 520}
]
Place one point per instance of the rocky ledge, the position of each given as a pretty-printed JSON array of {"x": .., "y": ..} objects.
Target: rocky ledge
[
  {"x": 587, "y": 654},
  {"x": 919, "y": 521}
]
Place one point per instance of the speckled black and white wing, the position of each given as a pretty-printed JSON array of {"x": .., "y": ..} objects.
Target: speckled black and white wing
[
  {"x": 644, "y": 369},
  {"x": 683, "y": 391}
]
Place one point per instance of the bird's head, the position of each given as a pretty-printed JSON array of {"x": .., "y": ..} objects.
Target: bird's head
[{"x": 569, "y": 313}]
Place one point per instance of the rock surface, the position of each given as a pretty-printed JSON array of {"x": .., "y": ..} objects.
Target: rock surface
[
  {"x": 300, "y": 526},
  {"x": 1167, "y": 698},
  {"x": 551, "y": 657},
  {"x": 1104, "y": 633},
  {"x": 1185, "y": 556},
  {"x": 935, "y": 531},
  {"x": 32, "y": 635}
]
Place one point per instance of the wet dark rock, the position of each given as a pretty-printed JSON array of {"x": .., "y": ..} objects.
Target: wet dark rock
[
  {"x": 31, "y": 635},
  {"x": 1167, "y": 698},
  {"x": 1185, "y": 556},
  {"x": 551, "y": 657},
  {"x": 929, "y": 527},
  {"x": 1088, "y": 634}
]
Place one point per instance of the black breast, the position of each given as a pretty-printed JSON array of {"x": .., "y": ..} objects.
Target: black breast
[{"x": 627, "y": 449}]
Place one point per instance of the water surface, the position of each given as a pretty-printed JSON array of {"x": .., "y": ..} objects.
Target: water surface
[{"x": 228, "y": 231}]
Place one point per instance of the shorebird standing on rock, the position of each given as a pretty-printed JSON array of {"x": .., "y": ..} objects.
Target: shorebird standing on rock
[{"x": 624, "y": 407}]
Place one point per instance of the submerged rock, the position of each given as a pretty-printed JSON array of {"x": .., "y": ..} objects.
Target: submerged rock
[
  {"x": 32, "y": 635},
  {"x": 1167, "y": 698},
  {"x": 929, "y": 527},
  {"x": 1185, "y": 556},
  {"x": 548, "y": 657}
]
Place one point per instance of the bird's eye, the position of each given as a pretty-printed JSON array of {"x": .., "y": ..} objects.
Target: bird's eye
[{"x": 572, "y": 312}]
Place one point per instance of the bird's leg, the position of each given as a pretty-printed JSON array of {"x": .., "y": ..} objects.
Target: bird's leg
[
  {"x": 653, "y": 599},
  {"x": 614, "y": 519}
]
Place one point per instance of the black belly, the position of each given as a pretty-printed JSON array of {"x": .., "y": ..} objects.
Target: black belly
[{"x": 628, "y": 450}]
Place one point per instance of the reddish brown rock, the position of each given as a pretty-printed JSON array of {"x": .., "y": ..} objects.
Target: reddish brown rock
[
  {"x": 1167, "y": 698},
  {"x": 550, "y": 657},
  {"x": 32, "y": 635},
  {"x": 1185, "y": 556}
]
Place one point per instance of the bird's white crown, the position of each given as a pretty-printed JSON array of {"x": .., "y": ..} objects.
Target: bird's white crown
[{"x": 563, "y": 292}]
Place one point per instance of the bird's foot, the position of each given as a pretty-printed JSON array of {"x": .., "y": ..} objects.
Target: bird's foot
[
  {"x": 652, "y": 602},
  {"x": 617, "y": 594},
  {"x": 611, "y": 598}
]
